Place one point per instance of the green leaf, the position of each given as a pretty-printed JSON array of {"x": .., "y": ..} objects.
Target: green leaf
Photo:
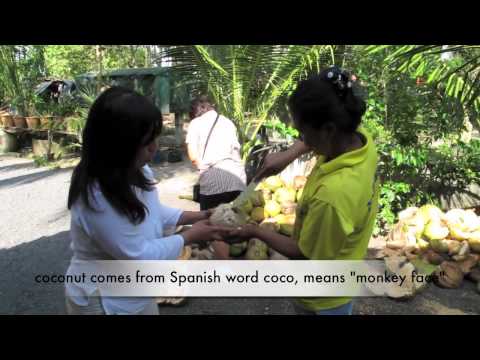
[{"x": 423, "y": 267}]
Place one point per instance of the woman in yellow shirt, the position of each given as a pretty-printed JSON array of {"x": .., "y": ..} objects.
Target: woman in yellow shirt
[{"x": 336, "y": 214}]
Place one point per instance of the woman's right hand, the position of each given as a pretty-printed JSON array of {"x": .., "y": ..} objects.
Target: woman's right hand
[{"x": 203, "y": 231}]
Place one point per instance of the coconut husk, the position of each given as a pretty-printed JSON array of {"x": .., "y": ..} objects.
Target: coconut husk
[
  {"x": 397, "y": 238},
  {"x": 474, "y": 275},
  {"x": 468, "y": 263},
  {"x": 449, "y": 275},
  {"x": 433, "y": 257}
]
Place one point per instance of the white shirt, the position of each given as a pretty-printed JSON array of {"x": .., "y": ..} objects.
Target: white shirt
[
  {"x": 108, "y": 235},
  {"x": 221, "y": 169}
]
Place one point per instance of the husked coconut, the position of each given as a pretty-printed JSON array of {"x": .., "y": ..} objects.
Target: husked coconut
[
  {"x": 435, "y": 230},
  {"x": 254, "y": 242},
  {"x": 257, "y": 250},
  {"x": 462, "y": 221},
  {"x": 431, "y": 212},
  {"x": 270, "y": 224},
  {"x": 273, "y": 183},
  {"x": 257, "y": 199},
  {"x": 284, "y": 194},
  {"x": 258, "y": 214},
  {"x": 408, "y": 213},
  {"x": 272, "y": 208},
  {"x": 225, "y": 215},
  {"x": 288, "y": 207}
]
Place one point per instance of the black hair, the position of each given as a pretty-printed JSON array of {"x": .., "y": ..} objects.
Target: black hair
[
  {"x": 200, "y": 106},
  {"x": 318, "y": 100},
  {"x": 119, "y": 123}
]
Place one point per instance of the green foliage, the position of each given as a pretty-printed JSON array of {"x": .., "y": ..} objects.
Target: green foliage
[
  {"x": 246, "y": 82},
  {"x": 66, "y": 61},
  {"x": 417, "y": 127},
  {"x": 21, "y": 67},
  {"x": 69, "y": 61},
  {"x": 279, "y": 129}
]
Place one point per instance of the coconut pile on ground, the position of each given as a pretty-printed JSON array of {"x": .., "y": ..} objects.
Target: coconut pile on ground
[
  {"x": 450, "y": 242},
  {"x": 271, "y": 206}
]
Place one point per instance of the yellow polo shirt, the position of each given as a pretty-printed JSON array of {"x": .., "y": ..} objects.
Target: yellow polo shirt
[{"x": 336, "y": 214}]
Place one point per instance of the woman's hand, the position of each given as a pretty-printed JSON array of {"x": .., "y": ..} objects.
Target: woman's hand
[
  {"x": 204, "y": 231},
  {"x": 241, "y": 233},
  {"x": 191, "y": 217}
]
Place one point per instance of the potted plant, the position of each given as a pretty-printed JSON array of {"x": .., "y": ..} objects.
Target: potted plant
[
  {"x": 33, "y": 118},
  {"x": 6, "y": 119},
  {"x": 18, "y": 104},
  {"x": 45, "y": 112}
]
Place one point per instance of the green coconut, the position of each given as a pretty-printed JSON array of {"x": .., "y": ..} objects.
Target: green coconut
[{"x": 238, "y": 249}]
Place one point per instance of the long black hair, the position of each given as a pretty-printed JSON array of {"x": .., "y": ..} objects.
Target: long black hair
[
  {"x": 119, "y": 123},
  {"x": 328, "y": 98}
]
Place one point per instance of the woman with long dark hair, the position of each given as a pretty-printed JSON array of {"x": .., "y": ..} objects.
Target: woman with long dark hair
[{"x": 115, "y": 208}]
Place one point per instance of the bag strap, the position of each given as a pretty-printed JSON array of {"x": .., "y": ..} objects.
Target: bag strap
[{"x": 210, "y": 133}]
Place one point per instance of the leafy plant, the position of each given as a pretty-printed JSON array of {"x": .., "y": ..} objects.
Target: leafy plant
[{"x": 246, "y": 82}]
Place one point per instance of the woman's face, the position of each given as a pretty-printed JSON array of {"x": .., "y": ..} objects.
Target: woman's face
[
  {"x": 146, "y": 154},
  {"x": 316, "y": 139}
]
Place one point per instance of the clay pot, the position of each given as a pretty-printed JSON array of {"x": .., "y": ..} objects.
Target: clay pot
[
  {"x": 8, "y": 121},
  {"x": 20, "y": 122},
  {"x": 33, "y": 122}
]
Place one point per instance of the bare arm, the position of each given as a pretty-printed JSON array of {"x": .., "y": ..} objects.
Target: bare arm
[
  {"x": 276, "y": 162},
  {"x": 191, "y": 217},
  {"x": 285, "y": 245},
  {"x": 192, "y": 155}
]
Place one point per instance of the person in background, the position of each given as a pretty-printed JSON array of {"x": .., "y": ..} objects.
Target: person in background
[
  {"x": 336, "y": 214},
  {"x": 115, "y": 209},
  {"x": 221, "y": 171}
]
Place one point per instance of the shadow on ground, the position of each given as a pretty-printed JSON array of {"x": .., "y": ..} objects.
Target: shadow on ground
[
  {"x": 18, "y": 267},
  {"x": 50, "y": 255},
  {"x": 30, "y": 178}
]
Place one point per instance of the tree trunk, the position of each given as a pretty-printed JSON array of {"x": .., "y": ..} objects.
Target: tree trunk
[{"x": 99, "y": 58}]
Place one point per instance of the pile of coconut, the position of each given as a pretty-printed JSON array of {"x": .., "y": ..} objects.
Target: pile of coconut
[
  {"x": 272, "y": 205},
  {"x": 445, "y": 245}
]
